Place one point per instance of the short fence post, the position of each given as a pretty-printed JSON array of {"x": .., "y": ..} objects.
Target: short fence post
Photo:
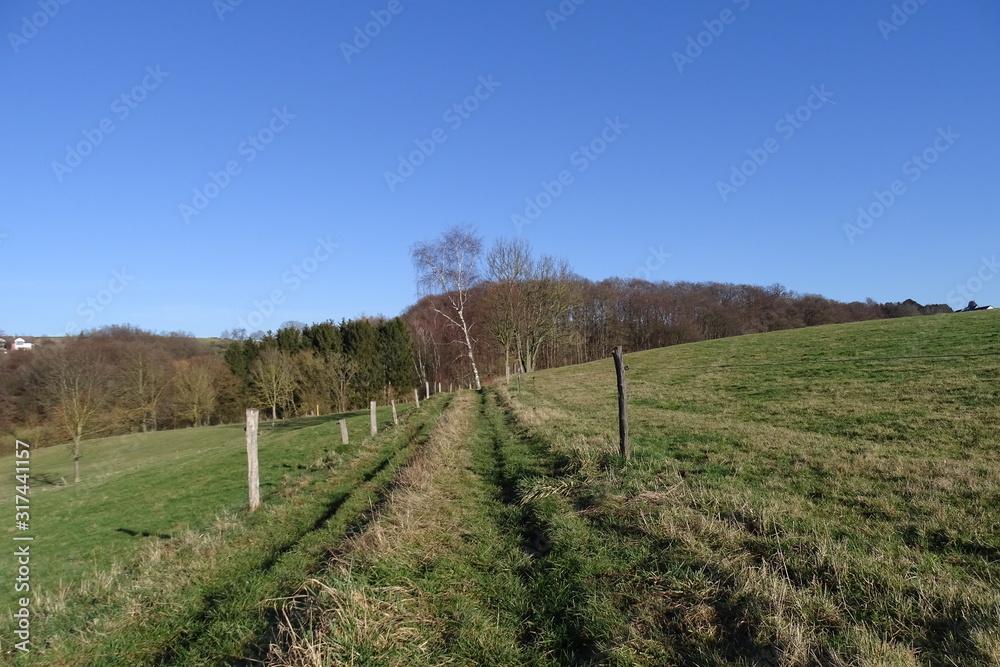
[
  {"x": 395, "y": 419},
  {"x": 343, "y": 431},
  {"x": 253, "y": 469},
  {"x": 374, "y": 421},
  {"x": 623, "y": 445},
  {"x": 416, "y": 397},
  {"x": 427, "y": 389}
]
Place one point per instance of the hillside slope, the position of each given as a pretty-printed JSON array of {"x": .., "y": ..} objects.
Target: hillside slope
[
  {"x": 816, "y": 513},
  {"x": 822, "y": 496}
]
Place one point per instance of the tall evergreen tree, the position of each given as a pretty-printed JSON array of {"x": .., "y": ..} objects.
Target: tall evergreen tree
[
  {"x": 324, "y": 338},
  {"x": 289, "y": 339},
  {"x": 361, "y": 345},
  {"x": 396, "y": 346}
]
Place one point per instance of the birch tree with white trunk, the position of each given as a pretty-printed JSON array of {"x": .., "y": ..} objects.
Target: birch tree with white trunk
[{"x": 449, "y": 266}]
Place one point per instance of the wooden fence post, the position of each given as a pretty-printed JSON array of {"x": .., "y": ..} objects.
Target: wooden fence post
[
  {"x": 623, "y": 445},
  {"x": 427, "y": 389},
  {"x": 416, "y": 397},
  {"x": 395, "y": 419},
  {"x": 253, "y": 469},
  {"x": 343, "y": 431},
  {"x": 374, "y": 421}
]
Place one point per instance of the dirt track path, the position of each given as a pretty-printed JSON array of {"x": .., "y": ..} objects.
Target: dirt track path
[{"x": 454, "y": 569}]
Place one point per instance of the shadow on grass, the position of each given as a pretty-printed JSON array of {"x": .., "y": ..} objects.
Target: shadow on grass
[
  {"x": 299, "y": 423},
  {"x": 143, "y": 533},
  {"x": 49, "y": 479}
]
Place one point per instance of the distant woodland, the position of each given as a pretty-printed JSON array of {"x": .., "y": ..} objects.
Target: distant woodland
[{"x": 483, "y": 314}]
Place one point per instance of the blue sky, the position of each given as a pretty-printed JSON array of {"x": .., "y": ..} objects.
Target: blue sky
[{"x": 203, "y": 165}]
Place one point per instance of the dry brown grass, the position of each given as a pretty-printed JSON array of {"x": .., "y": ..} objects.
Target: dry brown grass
[
  {"x": 323, "y": 625},
  {"x": 339, "y": 621},
  {"x": 421, "y": 511}
]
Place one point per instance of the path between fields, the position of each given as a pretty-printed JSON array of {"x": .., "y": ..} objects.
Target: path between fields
[{"x": 452, "y": 571}]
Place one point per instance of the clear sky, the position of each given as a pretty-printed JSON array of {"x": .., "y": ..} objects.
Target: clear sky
[{"x": 200, "y": 165}]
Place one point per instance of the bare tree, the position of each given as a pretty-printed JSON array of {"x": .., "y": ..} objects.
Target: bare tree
[
  {"x": 549, "y": 294},
  {"x": 75, "y": 382},
  {"x": 343, "y": 369},
  {"x": 508, "y": 265},
  {"x": 195, "y": 394},
  {"x": 273, "y": 378},
  {"x": 450, "y": 265},
  {"x": 141, "y": 383},
  {"x": 528, "y": 300}
]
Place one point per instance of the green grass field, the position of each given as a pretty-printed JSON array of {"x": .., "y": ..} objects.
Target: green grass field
[
  {"x": 156, "y": 499},
  {"x": 840, "y": 513},
  {"x": 776, "y": 512}
]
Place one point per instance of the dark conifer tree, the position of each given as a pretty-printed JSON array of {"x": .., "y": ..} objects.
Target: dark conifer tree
[
  {"x": 397, "y": 356},
  {"x": 361, "y": 344}
]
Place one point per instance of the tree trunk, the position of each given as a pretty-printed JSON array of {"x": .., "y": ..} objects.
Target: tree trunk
[
  {"x": 468, "y": 346},
  {"x": 76, "y": 460}
]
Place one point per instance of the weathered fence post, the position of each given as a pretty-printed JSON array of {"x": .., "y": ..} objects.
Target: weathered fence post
[
  {"x": 374, "y": 421},
  {"x": 343, "y": 431},
  {"x": 253, "y": 469},
  {"x": 623, "y": 445},
  {"x": 416, "y": 397},
  {"x": 395, "y": 419},
  {"x": 439, "y": 388},
  {"x": 427, "y": 389}
]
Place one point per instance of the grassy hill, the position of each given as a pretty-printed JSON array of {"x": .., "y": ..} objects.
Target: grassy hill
[
  {"x": 820, "y": 496},
  {"x": 150, "y": 502},
  {"x": 813, "y": 513}
]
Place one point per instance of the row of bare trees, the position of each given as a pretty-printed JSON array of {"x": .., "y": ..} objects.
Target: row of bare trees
[
  {"x": 503, "y": 310},
  {"x": 482, "y": 313},
  {"x": 111, "y": 381},
  {"x": 518, "y": 301},
  {"x": 121, "y": 379}
]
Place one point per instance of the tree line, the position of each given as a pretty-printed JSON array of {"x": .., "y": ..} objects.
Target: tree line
[
  {"x": 121, "y": 379},
  {"x": 501, "y": 310},
  {"x": 482, "y": 313},
  {"x": 325, "y": 367},
  {"x": 114, "y": 380}
]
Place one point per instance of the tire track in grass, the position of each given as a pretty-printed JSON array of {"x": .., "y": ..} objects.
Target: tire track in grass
[
  {"x": 455, "y": 569},
  {"x": 220, "y": 618},
  {"x": 564, "y": 624},
  {"x": 442, "y": 576},
  {"x": 368, "y": 490},
  {"x": 391, "y": 589}
]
